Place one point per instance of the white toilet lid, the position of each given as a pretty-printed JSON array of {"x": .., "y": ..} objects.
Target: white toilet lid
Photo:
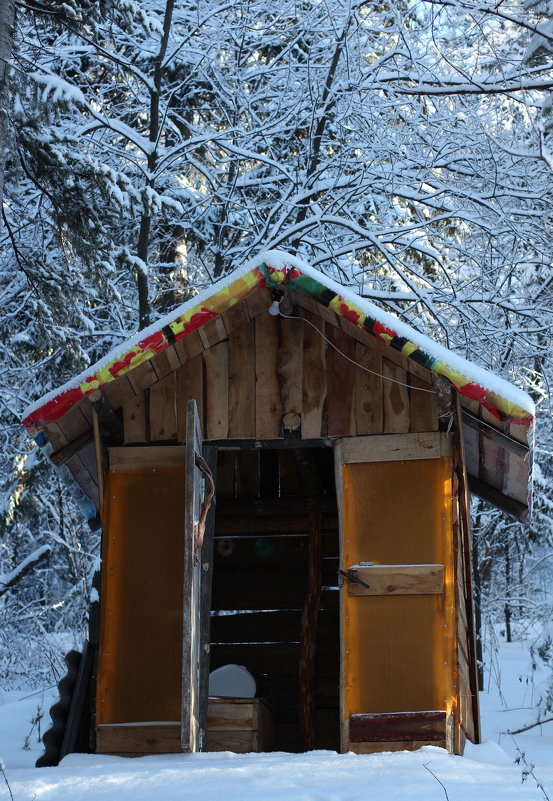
[{"x": 231, "y": 681}]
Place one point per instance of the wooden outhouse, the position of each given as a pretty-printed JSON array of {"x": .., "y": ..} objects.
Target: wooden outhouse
[{"x": 333, "y": 560}]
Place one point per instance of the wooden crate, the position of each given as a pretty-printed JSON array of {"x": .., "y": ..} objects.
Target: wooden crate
[{"x": 239, "y": 724}]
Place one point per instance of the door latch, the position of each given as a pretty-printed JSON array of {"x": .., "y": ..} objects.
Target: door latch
[{"x": 347, "y": 574}]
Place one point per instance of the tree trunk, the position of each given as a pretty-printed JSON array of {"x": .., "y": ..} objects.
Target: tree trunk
[
  {"x": 144, "y": 301},
  {"x": 507, "y": 609},
  {"x": 7, "y": 22}
]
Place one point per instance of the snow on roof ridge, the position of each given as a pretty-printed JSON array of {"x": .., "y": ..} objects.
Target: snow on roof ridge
[
  {"x": 479, "y": 375},
  {"x": 278, "y": 260}
]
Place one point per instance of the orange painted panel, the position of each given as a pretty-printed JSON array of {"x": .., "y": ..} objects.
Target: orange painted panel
[
  {"x": 398, "y": 651},
  {"x": 139, "y": 672}
]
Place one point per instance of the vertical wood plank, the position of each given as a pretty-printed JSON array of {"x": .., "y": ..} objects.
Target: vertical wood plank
[
  {"x": 241, "y": 388},
  {"x": 258, "y": 302},
  {"x": 471, "y": 446},
  {"x": 190, "y": 384},
  {"x": 191, "y": 739},
  {"x": 269, "y": 484},
  {"x": 86, "y": 410},
  {"x": 344, "y": 624},
  {"x": 118, "y": 392},
  {"x": 189, "y": 346},
  {"x": 205, "y": 599},
  {"x": 247, "y": 474},
  {"x": 397, "y": 413},
  {"x": 216, "y": 391},
  {"x": 328, "y": 316},
  {"x": 369, "y": 412},
  {"x": 314, "y": 381},
  {"x": 212, "y": 332},
  {"x": 472, "y": 704},
  {"x": 424, "y": 406},
  {"x": 341, "y": 383},
  {"x": 235, "y": 317},
  {"x": 84, "y": 478},
  {"x": 267, "y": 395},
  {"x": 494, "y": 467},
  {"x": 226, "y": 474},
  {"x": 308, "y": 633},
  {"x": 515, "y": 481},
  {"x": 163, "y": 409},
  {"x": 134, "y": 419},
  {"x": 290, "y": 477},
  {"x": 290, "y": 365},
  {"x": 165, "y": 362},
  {"x": 302, "y": 301},
  {"x": 83, "y": 465},
  {"x": 55, "y": 435},
  {"x": 99, "y": 454},
  {"x": 142, "y": 376},
  {"x": 73, "y": 423},
  {"x": 88, "y": 460},
  {"x": 518, "y": 432}
]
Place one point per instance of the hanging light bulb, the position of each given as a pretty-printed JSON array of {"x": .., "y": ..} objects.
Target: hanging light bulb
[
  {"x": 277, "y": 296},
  {"x": 274, "y": 308}
]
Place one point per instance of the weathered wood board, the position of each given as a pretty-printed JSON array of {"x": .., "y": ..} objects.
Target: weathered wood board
[
  {"x": 429, "y": 725},
  {"x": 396, "y": 580},
  {"x": 138, "y": 739},
  {"x": 395, "y": 447}
]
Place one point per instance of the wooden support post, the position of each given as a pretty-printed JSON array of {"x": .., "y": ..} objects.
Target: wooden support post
[
  {"x": 99, "y": 453},
  {"x": 309, "y": 471},
  {"x": 206, "y": 561},
  {"x": 110, "y": 424},
  {"x": 63, "y": 454},
  {"x": 308, "y": 634},
  {"x": 464, "y": 498}
]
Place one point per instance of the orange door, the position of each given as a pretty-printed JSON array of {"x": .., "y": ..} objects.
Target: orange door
[
  {"x": 148, "y": 681},
  {"x": 397, "y": 633}
]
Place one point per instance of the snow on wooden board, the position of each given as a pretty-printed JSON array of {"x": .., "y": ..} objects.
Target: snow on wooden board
[{"x": 271, "y": 269}]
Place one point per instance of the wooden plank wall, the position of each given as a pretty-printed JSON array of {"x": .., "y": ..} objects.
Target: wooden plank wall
[
  {"x": 260, "y": 565},
  {"x": 248, "y": 370},
  {"x": 82, "y": 465}
]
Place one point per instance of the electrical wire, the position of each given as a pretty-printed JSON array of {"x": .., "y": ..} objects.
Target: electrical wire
[{"x": 361, "y": 366}]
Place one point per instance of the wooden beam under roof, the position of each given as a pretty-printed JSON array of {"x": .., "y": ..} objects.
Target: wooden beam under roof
[{"x": 498, "y": 499}]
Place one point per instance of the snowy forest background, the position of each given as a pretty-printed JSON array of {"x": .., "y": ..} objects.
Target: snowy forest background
[{"x": 404, "y": 148}]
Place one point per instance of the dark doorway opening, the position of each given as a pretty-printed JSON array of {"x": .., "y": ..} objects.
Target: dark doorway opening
[{"x": 276, "y": 555}]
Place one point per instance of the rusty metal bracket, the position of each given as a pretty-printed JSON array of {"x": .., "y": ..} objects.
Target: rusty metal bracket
[{"x": 347, "y": 574}]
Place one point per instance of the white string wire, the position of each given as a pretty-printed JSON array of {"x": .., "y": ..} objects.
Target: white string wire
[{"x": 361, "y": 367}]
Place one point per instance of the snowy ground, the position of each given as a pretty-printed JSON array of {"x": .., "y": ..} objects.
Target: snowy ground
[{"x": 487, "y": 772}]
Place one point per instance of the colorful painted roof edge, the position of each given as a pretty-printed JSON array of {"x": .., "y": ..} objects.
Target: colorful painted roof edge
[{"x": 272, "y": 268}]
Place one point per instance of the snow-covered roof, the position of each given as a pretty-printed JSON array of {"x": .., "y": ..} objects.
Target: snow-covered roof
[{"x": 270, "y": 269}]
